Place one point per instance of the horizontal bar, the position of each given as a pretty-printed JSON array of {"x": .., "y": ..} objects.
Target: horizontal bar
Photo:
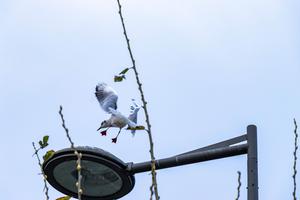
[
  {"x": 190, "y": 158},
  {"x": 225, "y": 143}
]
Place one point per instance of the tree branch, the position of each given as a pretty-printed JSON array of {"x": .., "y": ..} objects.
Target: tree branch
[
  {"x": 239, "y": 185},
  {"x": 64, "y": 126},
  {"x": 295, "y": 159},
  {"x": 153, "y": 172},
  {"x": 36, "y": 153},
  {"x": 79, "y": 155}
]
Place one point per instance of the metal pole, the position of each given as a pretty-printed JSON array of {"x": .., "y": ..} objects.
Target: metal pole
[
  {"x": 252, "y": 163},
  {"x": 194, "y": 157}
]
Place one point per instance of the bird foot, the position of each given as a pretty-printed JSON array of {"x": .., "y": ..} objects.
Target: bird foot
[
  {"x": 103, "y": 133},
  {"x": 114, "y": 140}
]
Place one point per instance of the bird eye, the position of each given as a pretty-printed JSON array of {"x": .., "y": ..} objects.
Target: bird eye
[{"x": 104, "y": 122}]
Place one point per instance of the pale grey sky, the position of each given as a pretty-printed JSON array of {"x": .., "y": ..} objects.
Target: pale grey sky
[{"x": 209, "y": 69}]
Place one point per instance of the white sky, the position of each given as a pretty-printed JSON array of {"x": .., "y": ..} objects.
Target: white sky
[{"x": 209, "y": 69}]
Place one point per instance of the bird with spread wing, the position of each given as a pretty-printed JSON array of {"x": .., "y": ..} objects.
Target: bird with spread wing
[{"x": 108, "y": 98}]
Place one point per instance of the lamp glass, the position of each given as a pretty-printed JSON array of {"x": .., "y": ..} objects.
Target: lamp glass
[{"x": 98, "y": 180}]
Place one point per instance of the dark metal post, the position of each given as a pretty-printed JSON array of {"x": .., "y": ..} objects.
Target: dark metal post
[
  {"x": 189, "y": 158},
  {"x": 252, "y": 163}
]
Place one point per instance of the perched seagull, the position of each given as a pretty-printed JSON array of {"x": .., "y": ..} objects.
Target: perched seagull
[{"x": 108, "y": 98}]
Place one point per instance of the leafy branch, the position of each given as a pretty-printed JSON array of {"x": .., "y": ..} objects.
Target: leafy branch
[
  {"x": 79, "y": 155},
  {"x": 43, "y": 143},
  {"x": 119, "y": 78},
  {"x": 295, "y": 159}
]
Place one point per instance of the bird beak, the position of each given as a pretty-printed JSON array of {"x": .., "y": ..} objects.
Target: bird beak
[{"x": 99, "y": 128}]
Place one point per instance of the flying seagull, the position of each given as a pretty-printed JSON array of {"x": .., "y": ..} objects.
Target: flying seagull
[{"x": 108, "y": 98}]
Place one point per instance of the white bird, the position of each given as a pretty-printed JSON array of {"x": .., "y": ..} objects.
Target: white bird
[{"x": 108, "y": 98}]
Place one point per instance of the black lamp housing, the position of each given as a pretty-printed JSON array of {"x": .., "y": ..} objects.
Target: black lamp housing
[{"x": 104, "y": 176}]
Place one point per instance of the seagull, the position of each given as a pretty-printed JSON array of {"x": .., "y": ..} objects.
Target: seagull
[{"x": 108, "y": 98}]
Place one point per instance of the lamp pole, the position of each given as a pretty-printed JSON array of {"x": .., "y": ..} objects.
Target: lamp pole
[
  {"x": 219, "y": 150},
  {"x": 252, "y": 163}
]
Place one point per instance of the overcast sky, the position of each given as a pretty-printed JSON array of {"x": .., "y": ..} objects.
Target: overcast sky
[{"x": 209, "y": 68}]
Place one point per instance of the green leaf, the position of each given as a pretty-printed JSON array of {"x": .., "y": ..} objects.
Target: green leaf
[
  {"x": 44, "y": 143},
  {"x": 124, "y": 71},
  {"x": 64, "y": 198},
  {"x": 48, "y": 155},
  {"x": 45, "y": 139},
  {"x": 140, "y": 128},
  {"x": 137, "y": 128},
  {"x": 41, "y": 144},
  {"x": 119, "y": 78}
]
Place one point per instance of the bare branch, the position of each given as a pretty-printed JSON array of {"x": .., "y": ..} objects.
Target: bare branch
[
  {"x": 153, "y": 172},
  {"x": 64, "y": 126},
  {"x": 239, "y": 185},
  {"x": 295, "y": 159},
  {"x": 79, "y": 155},
  {"x": 36, "y": 153}
]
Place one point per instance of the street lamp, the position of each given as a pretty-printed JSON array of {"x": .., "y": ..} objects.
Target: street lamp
[{"x": 105, "y": 177}]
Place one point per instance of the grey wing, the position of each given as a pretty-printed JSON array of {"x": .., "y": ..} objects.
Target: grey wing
[
  {"x": 106, "y": 96},
  {"x": 134, "y": 109}
]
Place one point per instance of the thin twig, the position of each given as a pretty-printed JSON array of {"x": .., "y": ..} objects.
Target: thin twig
[
  {"x": 153, "y": 172},
  {"x": 295, "y": 159},
  {"x": 79, "y": 155},
  {"x": 64, "y": 126},
  {"x": 239, "y": 186},
  {"x": 36, "y": 153}
]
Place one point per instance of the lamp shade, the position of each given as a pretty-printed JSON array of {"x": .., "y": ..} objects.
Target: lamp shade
[{"x": 104, "y": 176}]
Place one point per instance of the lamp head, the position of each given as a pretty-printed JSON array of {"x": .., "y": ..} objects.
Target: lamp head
[{"x": 104, "y": 176}]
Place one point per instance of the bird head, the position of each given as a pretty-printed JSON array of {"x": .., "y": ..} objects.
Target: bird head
[{"x": 104, "y": 124}]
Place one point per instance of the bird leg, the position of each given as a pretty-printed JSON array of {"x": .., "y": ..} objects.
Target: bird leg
[
  {"x": 103, "y": 133},
  {"x": 114, "y": 140}
]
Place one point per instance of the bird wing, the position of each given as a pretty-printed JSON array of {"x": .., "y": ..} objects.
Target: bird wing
[
  {"x": 106, "y": 96},
  {"x": 134, "y": 109},
  {"x": 120, "y": 115}
]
